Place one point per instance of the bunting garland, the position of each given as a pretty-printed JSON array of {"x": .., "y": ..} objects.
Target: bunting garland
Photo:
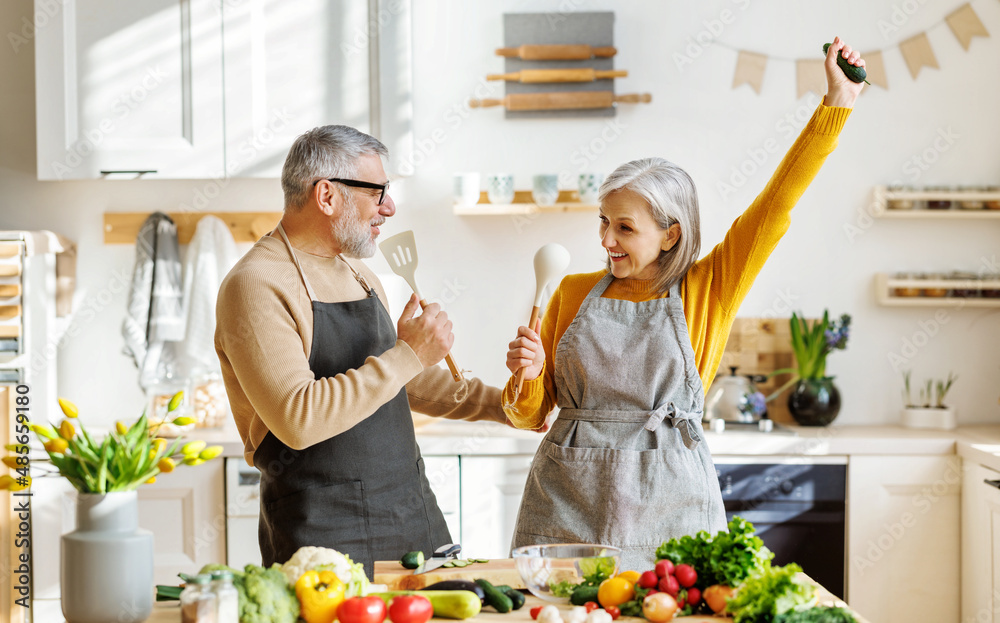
[{"x": 917, "y": 52}]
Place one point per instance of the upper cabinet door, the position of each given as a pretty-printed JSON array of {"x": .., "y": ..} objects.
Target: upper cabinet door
[
  {"x": 125, "y": 86},
  {"x": 292, "y": 65}
]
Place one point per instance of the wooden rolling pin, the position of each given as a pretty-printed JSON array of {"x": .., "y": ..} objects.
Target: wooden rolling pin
[
  {"x": 559, "y": 75},
  {"x": 579, "y": 52},
  {"x": 562, "y": 101}
]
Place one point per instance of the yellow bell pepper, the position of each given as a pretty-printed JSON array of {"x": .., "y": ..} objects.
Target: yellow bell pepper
[{"x": 320, "y": 593}]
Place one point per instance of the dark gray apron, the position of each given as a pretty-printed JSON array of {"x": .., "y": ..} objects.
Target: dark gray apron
[
  {"x": 362, "y": 492},
  {"x": 624, "y": 463}
]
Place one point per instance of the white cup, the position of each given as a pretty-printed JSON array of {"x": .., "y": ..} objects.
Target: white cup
[
  {"x": 589, "y": 184},
  {"x": 545, "y": 189},
  {"x": 466, "y": 189},
  {"x": 500, "y": 188}
]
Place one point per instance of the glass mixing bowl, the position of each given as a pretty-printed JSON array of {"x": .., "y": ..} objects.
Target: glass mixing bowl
[{"x": 541, "y": 566}]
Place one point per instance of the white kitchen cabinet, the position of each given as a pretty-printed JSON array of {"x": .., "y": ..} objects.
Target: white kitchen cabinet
[
  {"x": 492, "y": 487},
  {"x": 126, "y": 86},
  {"x": 186, "y": 512},
  {"x": 980, "y": 545},
  {"x": 443, "y": 474},
  {"x": 903, "y": 518}
]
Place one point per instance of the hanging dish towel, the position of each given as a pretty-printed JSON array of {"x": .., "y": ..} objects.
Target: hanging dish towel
[
  {"x": 155, "y": 312},
  {"x": 210, "y": 256}
]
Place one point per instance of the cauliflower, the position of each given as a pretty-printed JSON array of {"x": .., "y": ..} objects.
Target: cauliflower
[
  {"x": 549, "y": 614},
  {"x": 310, "y": 558}
]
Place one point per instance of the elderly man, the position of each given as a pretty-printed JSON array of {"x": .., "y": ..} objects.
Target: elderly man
[{"x": 321, "y": 383}]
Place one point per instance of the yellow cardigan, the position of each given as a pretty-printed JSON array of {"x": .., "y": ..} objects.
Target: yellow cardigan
[{"x": 714, "y": 286}]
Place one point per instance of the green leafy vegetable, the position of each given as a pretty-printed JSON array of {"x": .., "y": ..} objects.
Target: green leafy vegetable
[
  {"x": 773, "y": 591},
  {"x": 594, "y": 570},
  {"x": 562, "y": 589},
  {"x": 819, "y": 614},
  {"x": 726, "y": 558}
]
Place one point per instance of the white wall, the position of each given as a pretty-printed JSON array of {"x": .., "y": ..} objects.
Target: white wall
[{"x": 482, "y": 265}]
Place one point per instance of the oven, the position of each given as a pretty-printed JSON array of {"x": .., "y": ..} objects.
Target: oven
[{"x": 798, "y": 507}]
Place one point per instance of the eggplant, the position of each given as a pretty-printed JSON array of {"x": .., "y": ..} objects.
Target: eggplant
[{"x": 458, "y": 585}]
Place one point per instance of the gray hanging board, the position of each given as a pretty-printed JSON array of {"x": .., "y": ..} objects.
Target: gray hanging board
[{"x": 594, "y": 28}]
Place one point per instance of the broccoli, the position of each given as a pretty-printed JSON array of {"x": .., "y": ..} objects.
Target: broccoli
[{"x": 266, "y": 597}]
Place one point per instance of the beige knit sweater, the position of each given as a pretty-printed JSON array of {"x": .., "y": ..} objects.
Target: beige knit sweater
[{"x": 264, "y": 336}]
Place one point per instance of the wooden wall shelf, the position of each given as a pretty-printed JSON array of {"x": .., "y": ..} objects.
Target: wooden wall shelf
[
  {"x": 885, "y": 285},
  {"x": 882, "y": 197},
  {"x": 123, "y": 227},
  {"x": 524, "y": 203}
]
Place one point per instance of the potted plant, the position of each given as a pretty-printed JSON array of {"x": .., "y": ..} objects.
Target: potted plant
[
  {"x": 930, "y": 410},
  {"x": 106, "y": 564},
  {"x": 814, "y": 400}
]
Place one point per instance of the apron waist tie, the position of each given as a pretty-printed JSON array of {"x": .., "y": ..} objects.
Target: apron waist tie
[{"x": 684, "y": 421}]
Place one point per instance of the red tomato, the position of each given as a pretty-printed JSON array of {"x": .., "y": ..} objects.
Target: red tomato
[
  {"x": 591, "y": 606},
  {"x": 648, "y": 579},
  {"x": 686, "y": 575},
  {"x": 669, "y": 585},
  {"x": 535, "y": 611},
  {"x": 664, "y": 568},
  {"x": 614, "y": 612},
  {"x": 410, "y": 609},
  {"x": 361, "y": 610},
  {"x": 693, "y": 597}
]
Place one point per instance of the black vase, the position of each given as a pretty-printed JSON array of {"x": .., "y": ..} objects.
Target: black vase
[{"x": 814, "y": 402}]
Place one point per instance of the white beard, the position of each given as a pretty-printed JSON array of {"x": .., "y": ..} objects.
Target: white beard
[{"x": 354, "y": 236}]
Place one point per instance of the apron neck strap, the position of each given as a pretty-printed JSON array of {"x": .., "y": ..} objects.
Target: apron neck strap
[
  {"x": 309, "y": 290},
  {"x": 598, "y": 290}
]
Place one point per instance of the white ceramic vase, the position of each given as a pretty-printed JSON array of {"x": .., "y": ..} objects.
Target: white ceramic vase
[
  {"x": 929, "y": 417},
  {"x": 106, "y": 564}
]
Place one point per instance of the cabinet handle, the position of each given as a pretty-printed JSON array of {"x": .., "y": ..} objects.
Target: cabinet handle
[
  {"x": 993, "y": 483},
  {"x": 138, "y": 172}
]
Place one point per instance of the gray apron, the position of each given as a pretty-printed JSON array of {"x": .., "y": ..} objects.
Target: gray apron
[
  {"x": 363, "y": 492},
  {"x": 624, "y": 463}
]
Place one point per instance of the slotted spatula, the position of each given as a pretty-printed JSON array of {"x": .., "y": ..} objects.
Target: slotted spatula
[{"x": 400, "y": 252}]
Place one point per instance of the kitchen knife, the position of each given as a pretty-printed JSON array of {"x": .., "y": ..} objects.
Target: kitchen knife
[{"x": 441, "y": 555}]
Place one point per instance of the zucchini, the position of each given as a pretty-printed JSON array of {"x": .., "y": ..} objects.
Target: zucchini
[
  {"x": 412, "y": 560},
  {"x": 457, "y": 585},
  {"x": 853, "y": 72},
  {"x": 583, "y": 594},
  {"x": 496, "y": 598},
  {"x": 447, "y": 604}
]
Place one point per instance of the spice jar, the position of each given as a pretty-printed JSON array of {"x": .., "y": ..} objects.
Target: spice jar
[
  {"x": 209, "y": 403},
  {"x": 226, "y": 596},
  {"x": 198, "y": 602},
  {"x": 900, "y": 203},
  {"x": 934, "y": 291},
  {"x": 963, "y": 291},
  {"x": 937, "y": 203},
  {"x": 971, "y": 203},
  {"x": 907, "y": 290},
  {"x": 992, "y": 204}
]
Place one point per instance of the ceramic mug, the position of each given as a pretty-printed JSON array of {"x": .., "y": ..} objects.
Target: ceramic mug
[
  {"x": 500, "y": 188},
  {"x": 589, "y": 185},
  {"x": 545, "y": 189},
  {"x": 466, "y": 189}
]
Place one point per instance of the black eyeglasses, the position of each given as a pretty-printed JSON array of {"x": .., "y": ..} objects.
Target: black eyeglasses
[{"x": 359, "y": 184}]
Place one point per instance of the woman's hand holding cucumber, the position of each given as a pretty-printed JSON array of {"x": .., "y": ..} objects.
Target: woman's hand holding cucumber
[{"x": 841, "y": 91}]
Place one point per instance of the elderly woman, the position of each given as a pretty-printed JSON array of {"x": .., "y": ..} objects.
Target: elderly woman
[{"x": 625, "y": 352}]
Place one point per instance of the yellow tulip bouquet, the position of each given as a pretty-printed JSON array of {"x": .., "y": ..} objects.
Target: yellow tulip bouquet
[{"x": 124, "y": 459}]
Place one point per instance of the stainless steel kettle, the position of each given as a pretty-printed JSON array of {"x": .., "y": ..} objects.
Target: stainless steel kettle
[{"x": 734, "y": 398}]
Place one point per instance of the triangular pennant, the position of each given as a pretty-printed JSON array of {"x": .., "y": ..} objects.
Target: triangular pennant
[
  {"x": 918, "y": 54},
  {"x": 750, "y": 68},
  {"x": 965, "y": 24},
  {"x": 875, "y": 67},
  {"x": 810, "y": 75}
]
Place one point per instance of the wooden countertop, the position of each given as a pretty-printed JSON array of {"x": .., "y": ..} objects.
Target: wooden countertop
[{"x": 169, "y": 612}]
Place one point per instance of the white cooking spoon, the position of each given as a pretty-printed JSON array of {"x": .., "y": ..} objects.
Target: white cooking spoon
[{"x": 550, "y": 262}]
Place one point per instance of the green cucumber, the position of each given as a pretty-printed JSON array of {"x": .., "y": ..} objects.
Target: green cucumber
[
  {"x": 582, "y": 594},
  {"x": 495, "y": 597},
  {"x": 446, "y": 604},
  {"x": 412, "y": 560},
  {"x": 853, "y": 72},
  {"x": 516, "y": 596}
]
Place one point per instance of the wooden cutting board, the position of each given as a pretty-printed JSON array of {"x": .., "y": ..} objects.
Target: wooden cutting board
[{"x": 499, "y": 571}]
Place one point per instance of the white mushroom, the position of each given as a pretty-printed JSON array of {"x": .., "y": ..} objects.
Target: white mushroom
[
  {"x": 577, "y": 615},
  {"x": 549, "y": 614},
  {"x": 599, "y": 616}
]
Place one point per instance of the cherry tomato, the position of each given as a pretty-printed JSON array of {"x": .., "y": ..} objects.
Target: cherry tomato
[
  {"x": 664, "y": 568},
  {"x": 693, "y": 597},
  {"x": 535, "y": 611},
  {"x": 591, "y": 606},
  {"x": 670, "y": 585},
  {"x": 614, "y": 612},
  {"x": 648, "y": 579},
  {"x": 361, "y": 610},
  {"x": 410, "y": 609},
  {"x": 658, "y": 608},
  {"x": 686, "y": 575},
  {"x": 631, "y": 576},
  {"x": 614, "y": 592}
]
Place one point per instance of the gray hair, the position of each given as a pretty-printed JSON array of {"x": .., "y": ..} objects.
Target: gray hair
[
  {"x": 671, "y": 197},
  {"x": 324, "y": 152}
]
